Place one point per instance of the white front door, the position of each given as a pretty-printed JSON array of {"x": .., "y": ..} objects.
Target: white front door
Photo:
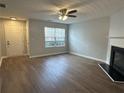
[{"x": 14, "y": 34}]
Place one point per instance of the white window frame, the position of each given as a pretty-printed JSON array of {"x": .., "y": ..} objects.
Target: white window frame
[{"x": 55, "y": 38}]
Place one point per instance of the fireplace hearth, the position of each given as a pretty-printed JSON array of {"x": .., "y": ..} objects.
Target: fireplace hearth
[{"x": 115, "y": 70}]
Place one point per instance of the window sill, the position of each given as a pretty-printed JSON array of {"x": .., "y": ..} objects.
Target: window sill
[{"x": 56, "y": 47}]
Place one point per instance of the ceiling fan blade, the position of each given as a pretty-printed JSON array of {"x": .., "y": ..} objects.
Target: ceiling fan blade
[
  {"x": 72, "y": 11},
  {"x": 2, "y": 5},
  {"x": 71, "y": 15}
]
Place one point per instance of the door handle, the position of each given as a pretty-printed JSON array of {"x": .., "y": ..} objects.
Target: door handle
[{"x": 8, "y": 43}]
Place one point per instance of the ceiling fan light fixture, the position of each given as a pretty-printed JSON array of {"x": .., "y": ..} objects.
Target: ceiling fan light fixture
[
  {"x": 63, "y": 17},
  {"x": 60, "y": 17}
]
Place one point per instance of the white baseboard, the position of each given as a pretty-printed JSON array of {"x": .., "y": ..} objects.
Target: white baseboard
[
  {"x": 16, "y": 56},
  {"x": 3, "y": 57},
  {"x": 77, "y": 54},
  {"x": 50, "y": 54}
]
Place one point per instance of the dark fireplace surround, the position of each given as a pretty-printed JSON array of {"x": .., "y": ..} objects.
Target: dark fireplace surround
[{"x": 115, "y": 70}]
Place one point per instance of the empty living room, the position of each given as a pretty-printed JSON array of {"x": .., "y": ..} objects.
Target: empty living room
[{"x": 61, "y": 46}]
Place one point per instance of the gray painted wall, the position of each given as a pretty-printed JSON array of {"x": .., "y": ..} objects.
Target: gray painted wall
[
  {"x": 36, "y": 37},
  {"x": 90, "y": 38}
]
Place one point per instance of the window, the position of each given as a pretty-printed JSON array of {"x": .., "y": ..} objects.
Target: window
[{"x": 54, "y": 37}]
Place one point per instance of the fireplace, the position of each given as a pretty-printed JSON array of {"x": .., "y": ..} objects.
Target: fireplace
[{"x": 116, "y": 68}]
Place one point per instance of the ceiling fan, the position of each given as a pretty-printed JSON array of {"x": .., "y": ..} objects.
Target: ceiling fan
[
  {"x": 2, "y": 5},
  {"x": 64, "y": 13}
]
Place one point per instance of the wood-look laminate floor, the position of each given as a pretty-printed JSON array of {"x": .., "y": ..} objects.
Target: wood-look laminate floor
[{"x": 55, "y": 74}]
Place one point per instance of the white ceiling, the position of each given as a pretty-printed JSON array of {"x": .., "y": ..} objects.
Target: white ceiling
[{"x": 47, "y": 9}]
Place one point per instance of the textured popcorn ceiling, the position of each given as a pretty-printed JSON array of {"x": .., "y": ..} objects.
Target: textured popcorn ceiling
[{"x": 47, "y": 9}]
